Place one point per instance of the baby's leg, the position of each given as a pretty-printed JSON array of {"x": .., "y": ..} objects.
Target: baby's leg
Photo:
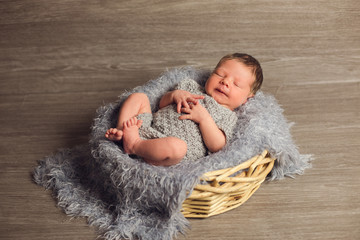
[
  {"x": 134, "y": 105},
  {"x": 159, "y": 151}
]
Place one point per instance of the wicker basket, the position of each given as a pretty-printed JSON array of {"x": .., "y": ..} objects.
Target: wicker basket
[{"x": 223, "y": 191}]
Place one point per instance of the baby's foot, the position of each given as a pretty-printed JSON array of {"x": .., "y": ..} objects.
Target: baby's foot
[
  {"x": 131, "y": 134},
  {"x": 114, "y": 134}
]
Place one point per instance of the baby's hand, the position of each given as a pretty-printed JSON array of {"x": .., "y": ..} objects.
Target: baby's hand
[
  {"x": 182, "y": 99},
  {"x": 195, "y": 112}
]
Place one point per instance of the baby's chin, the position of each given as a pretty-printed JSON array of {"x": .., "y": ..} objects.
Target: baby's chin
[{"x": 222, "y": 102}]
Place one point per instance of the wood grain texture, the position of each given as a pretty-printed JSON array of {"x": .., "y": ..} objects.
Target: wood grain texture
[{"x": 60, "y": 60}]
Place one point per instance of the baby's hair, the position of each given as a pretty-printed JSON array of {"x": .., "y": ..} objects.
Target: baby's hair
[{"x": 248, "y": 61}]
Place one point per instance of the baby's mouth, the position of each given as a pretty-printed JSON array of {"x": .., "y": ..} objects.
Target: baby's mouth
[{"x": 221, "y": 91}]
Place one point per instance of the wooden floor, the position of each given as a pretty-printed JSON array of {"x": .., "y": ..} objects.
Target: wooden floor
[{"x": 60, "y": 60}]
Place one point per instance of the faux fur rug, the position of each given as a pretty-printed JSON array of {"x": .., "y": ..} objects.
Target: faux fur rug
[{"x": 125, "y": 198}]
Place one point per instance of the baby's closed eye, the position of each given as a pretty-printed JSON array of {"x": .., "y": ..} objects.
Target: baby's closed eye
[
  {"x": 219, "y": 74},
  {"x": 237, "y": 84}
]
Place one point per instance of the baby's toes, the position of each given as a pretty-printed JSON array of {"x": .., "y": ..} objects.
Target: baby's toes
[
  {"x": 133, "y": 121},
  {"x": 139, "y": 123},
  {"x": 130, "y": 122},
  {"x": 119, "y": 134}
]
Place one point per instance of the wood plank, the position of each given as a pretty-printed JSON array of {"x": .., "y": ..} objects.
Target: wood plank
[{"x": 61, "y": 60}]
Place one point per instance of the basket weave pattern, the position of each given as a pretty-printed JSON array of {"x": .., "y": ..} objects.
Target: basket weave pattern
[{"x": 223, "y": 191}]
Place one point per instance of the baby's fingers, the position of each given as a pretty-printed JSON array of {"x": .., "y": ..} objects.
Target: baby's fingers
[
  {"x": 178, "y": 107},
  {"x": 182, "y": 104},
  {"x": 194, "y": 98},
  {"x": 186, "y": 110},
  {"x": 198, "y": 96},
  {"x": 185, "y": 117}
]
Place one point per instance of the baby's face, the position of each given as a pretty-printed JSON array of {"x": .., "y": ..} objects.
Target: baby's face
[{"x": 230, "y": 84}]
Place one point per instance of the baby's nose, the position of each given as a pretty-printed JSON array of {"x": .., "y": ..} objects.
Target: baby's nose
[{"x": 226, "y": 81}]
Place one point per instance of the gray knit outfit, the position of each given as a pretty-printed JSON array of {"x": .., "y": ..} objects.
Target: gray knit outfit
[{"x": 165, "y": 122}]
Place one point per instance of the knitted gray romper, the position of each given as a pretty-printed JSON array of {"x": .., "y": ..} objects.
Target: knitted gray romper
[{"x": 165, "y": 122}]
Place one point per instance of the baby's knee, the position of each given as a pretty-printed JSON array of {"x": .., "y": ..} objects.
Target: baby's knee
[
  {"x": 140, "y": 97},
  {"x": 178, "y": 148},
  {"x": 143, "y": 100}
]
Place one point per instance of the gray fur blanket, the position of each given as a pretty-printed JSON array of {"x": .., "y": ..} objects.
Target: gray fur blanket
[{"x": 125, "y": 198}]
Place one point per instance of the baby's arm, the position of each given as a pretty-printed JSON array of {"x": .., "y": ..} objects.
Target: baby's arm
[
  {"x": 213, "y": 137},
  {"x": 180, "y": 97}
]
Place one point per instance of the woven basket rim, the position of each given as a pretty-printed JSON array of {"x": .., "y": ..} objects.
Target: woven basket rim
[{"x": 222, "y": 191}]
